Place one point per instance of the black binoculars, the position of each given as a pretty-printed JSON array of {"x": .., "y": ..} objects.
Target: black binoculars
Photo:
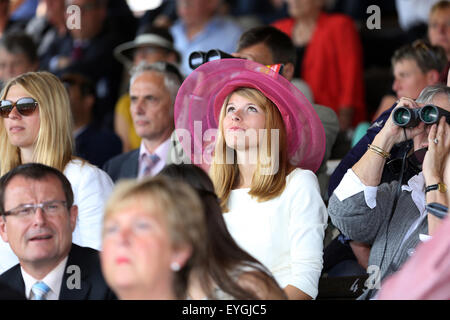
[
  {"x": 197, "y": 58},
  {"x": 410, "y": 117}
]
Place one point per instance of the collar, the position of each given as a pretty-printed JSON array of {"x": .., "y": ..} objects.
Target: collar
[
  {"x": 79, "y": 131},
  {"x": 161, "y": 151},
  {"x": 416, "y": 185},
  {"x": 53, "y": 279}
]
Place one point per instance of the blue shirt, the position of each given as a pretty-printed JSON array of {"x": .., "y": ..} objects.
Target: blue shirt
[{"x": 220, "y": 33}]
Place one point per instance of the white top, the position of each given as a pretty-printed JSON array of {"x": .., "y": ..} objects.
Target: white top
[
  {"x": 351, "y": 185},
  {"x": 412, "y": 12},
  {"x": 286, "y": 233},
  {"x": 91, "y": 187},
  {"x": 53, "y": 280}
]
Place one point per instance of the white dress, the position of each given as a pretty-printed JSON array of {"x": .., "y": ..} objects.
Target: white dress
[
  {"x": 286, "y": 233},
  {"x": 91, "y": 187}
]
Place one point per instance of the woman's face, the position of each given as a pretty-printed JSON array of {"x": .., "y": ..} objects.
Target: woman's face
[
  {"x": 137, "y": 252},
  {"x": 242, "y": 122},
  {"x": 22, "y": 130},
  {"x": 304, "y": 8}
]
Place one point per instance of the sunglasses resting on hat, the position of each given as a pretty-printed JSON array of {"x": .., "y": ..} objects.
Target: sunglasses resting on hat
[{"x": 25, "y": 106}]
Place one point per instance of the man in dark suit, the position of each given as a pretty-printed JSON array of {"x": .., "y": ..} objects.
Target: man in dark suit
[
  {"x": 38, "y": 218},
  {"x": 92, "y": 142},
  {"x": 153, "y": 89},
  {"x": 88, "y": 48}
]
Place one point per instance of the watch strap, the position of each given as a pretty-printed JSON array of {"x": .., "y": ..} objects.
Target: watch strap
[{"x": 438, "y": 186}]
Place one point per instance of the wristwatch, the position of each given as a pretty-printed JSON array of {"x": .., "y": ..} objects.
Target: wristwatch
[{"x": 439, "y": 186}]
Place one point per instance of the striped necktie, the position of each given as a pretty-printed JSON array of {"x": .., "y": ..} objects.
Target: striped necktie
[
  {"x": 149, "y": 161},
  {"x": 40, "y": 290}
]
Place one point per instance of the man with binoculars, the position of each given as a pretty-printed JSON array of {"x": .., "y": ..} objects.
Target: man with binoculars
[{"x": 394, "y": 222}]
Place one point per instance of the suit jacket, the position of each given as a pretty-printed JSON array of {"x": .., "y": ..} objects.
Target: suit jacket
[
  {"x": 92, "y": 284},
  {"x": 97, "y": 146},
  {"x": 356, "y": 220},
  {"x": 125, "y": 166}
]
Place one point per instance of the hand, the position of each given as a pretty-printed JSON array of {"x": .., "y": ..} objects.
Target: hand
[
  {"x": 393, "y": 133},
  {"x": 434, "y": 161}
]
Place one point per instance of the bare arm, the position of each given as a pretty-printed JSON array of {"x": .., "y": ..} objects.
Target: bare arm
[{"x": 294, "y": 293}]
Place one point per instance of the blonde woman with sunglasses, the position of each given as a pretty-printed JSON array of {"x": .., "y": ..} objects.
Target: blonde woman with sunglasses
[{"x": 36, "y": 126}]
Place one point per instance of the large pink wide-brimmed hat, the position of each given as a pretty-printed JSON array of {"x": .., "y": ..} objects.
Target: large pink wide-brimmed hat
[{"x": 201, "y": 96}]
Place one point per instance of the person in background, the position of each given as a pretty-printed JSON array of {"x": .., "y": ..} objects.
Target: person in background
[
  {"x": 426, "y": 275},
  {"x": 17, "y": 55},
  {"x": 153, "y": 89},
  {"x": 268, "y": 141},
  {"x": 439, "y": 26},
  {"x": 92, "y": 143},
  {"x": 200, "y": 28},
  {"x": 152, "y": 238},
  {"x": 89, "y": 49},
  {"x": 328, "y": 44},
  {"x": 152, "y": 44},
  {"x": 49, "y": 25},
  {"x": 38, "y": 216},
  {"x": 268, "y": 45},
  {"x": 371, "y": 213},
  {"x": 36, "y": 126},
  {"x": 228, "y": 272},
  {"x": 415, "y": 66},
  {"x": 7, "y": 23}
]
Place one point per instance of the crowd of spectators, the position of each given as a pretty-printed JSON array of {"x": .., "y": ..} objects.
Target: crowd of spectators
[{"x": 105, "y": 101}]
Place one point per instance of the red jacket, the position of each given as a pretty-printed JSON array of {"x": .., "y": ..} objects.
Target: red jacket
[{"x": 332, "y": 64}]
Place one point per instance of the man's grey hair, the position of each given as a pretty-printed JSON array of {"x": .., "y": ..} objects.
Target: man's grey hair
[
  {"x": 427, "y": 95},
  {"x": 171, "y": 74}
]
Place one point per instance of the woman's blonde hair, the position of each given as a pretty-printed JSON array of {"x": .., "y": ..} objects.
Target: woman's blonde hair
[
  {"x": 54, "y": 143},
  {"x": 178, "y": 205},
  {"x": 225, "y": 176}
]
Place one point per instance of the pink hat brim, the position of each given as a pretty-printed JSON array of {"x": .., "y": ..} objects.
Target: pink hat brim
[{"x": 200, "y": 98}]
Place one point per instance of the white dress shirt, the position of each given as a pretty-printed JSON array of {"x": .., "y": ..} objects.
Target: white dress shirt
[
  {"x": 351, "y": 185},
  {"x": 286, "y": 233},
  {"x": 53, "y": 280}
]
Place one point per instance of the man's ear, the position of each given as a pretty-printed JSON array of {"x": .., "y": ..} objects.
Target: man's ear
[
  {"x": 432, "y": 77},
  {"x": 288, "y": 71},
  {"x": 89, "y": 101},
  {"x": 73, "y": 214},
  {"x": 3, "y": 232},
  {"x": 172, "y": 58}
]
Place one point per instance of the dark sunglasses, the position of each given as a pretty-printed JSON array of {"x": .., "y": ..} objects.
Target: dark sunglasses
[{"x": 25, "y": 106}]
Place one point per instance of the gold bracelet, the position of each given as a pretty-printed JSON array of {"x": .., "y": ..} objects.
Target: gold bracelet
[{"x": 379, "y": 151}]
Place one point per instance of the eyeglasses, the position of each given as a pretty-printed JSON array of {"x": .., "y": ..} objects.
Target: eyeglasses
[
  {"x": 25, "y": 106},
  {"x": 26, "y": 211}
]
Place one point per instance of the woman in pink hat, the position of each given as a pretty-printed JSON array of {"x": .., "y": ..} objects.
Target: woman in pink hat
[{"x": 262, "y": 140}]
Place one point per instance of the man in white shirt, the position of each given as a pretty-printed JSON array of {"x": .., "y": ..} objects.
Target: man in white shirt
[
  {"x": 153, "y": 89},
  {"x": 38, "y": 218}
]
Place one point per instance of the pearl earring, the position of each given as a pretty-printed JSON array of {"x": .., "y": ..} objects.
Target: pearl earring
[{"x": 175, "y": 266}]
